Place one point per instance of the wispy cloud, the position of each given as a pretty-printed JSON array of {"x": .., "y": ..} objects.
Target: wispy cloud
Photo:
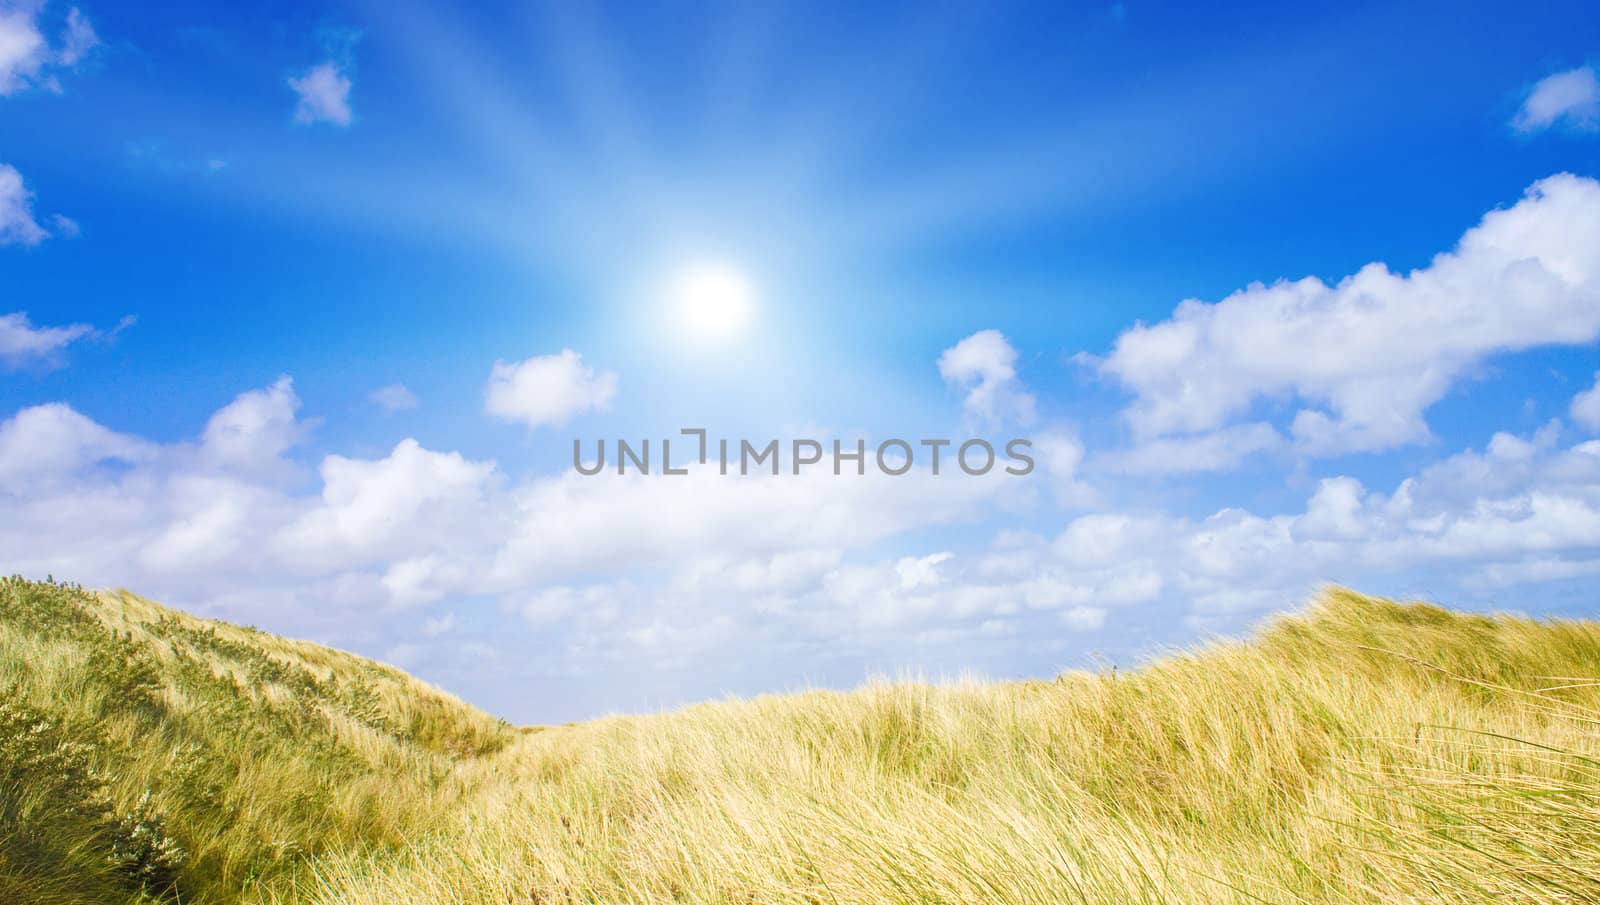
[
  {"x": 1570, "y": 99},
  {"x": 323, "y": 90},
  {"x": 27, "y": 58},
  {"x": 23, "y": 343},
  {"x": 393, "y": 398}
]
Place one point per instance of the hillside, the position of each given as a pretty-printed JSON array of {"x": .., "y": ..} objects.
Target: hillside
[
  {"x": 147, "y": 753},
  {"x": 1361, "y": 751}
]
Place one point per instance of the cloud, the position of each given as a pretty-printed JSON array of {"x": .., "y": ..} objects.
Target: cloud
[
  {"x": 810, "y": 576},
  {"x": 1570, "y": 98},
  {"x": 45, "y": 444},
  {"x": 984, "y": 366},
  {"x": 251, "y": 433},
  {"x": 393, "y": 398},
  {"x": 1365, "y": 358},
  {"x": 1586, "y": 406},
  {"x": 22, "y": 343},
  {"x": 324, "y": 95},
  {"x": 1219, "y": 450},
  {"x": 77, "y": 40},
  {"x": 410, "y": 503},
  {"x": 26, "y": 57},
  {"x": 547, "y": 389},
  {"x": 210, "y": 521},
  {"x": 573, "y": 525},
  {"x": 439, "y": 625},
  {"x": 1059, "y": 456},
  {"x": 17, "y": 225}
]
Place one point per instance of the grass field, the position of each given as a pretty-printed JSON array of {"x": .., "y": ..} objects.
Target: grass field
[{"x": 1361, "y": 751}]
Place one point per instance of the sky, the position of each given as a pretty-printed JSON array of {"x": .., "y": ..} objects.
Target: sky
[{"x": 303, "y": 307}]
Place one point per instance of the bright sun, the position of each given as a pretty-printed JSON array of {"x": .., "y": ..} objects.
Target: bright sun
[{"x": 714, "y": 301}]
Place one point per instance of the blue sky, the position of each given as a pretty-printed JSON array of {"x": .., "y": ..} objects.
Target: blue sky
[{"x": 302, "y": 307}]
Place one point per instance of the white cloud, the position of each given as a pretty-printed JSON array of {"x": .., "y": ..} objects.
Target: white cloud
[
  {"x": 1059, "y": 456},
  {"x": 65, "y": 226},
  {"x": 22, "y": 343},
  {"x": 26, "y": 57},
  {"x": 1219, "y": 450},
  {"x": 1586, "y": 406},
  {"x": 251, "y": 433},
  {"x": 1084, "y": 618},
  {"x": 1570, "y": 98},
  {"x": 921, "y": 572},
  {"x": 17, "y": 225},
  {"x": 46, "y": 444},
  {"x": 77, "y": 39},
  {"x": 547, "y": 389},
  {"x": 615, "y": 571},
  {"x": 324, "y": 95},
  {"x": 411, "y": 503},
  {"x": 439, "y": 625},
  {"x": 393, "y": 398},
  {"x": 1366, "y": 357},
  {"x": 575, "y": 524},
  {"x": 984, "y": 366}
]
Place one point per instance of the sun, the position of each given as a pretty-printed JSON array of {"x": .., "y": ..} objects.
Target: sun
[{"x": 712, "y": 300}]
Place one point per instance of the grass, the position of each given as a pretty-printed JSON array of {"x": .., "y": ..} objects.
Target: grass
[
  {"x": 1362, "y": 751},
  {"x": 146, "y": 754}
]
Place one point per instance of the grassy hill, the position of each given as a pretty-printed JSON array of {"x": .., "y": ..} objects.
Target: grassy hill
[
  {"x": 149, "y": 754},
  {"x": 1363, "y": 751}
]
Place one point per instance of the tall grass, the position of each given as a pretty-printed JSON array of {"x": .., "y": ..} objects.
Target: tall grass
[
  {"x": 1361, "y": 752},
  {"x": 145, "y": 754}
]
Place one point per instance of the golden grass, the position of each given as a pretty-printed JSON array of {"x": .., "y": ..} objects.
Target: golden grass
[
  {"x": 1363, "y": 752},
  {"x": 1360, "y": 752},
  {"x": 244, "y": 753}
]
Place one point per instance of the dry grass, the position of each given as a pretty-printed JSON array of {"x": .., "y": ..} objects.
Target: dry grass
[
  {"x": 146, "y": 753},
  {"x": 1363, "y": 751}
]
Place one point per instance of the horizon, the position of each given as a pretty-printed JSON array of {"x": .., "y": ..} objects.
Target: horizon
[{"x": 309, "y": 308}]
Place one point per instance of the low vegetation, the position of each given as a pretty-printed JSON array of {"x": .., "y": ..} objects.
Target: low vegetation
[{"x": 1362, "y": 751}]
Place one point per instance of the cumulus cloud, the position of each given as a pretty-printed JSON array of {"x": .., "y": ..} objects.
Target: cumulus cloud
[
  {"x": 574, "y": 524},
  {"x": 983, "y": 365},
  {"x": 27, "y": 58},
  {"x": 47, "y": 444},
  {"x": 393, "y": 398},
  {"x": 210, "y": 524},
  {"x": 547, "y": 389},
  {"x": 1364, "y": 358},
  {"x": 323, "y": 93},
  {"x": 251, "y": 433},
  {"x": 410, "y": 503},
  {"x": 1586, "y": 406},
  {"x": 23, "y": 343},
  {"x": 1570, "y": 98}
]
